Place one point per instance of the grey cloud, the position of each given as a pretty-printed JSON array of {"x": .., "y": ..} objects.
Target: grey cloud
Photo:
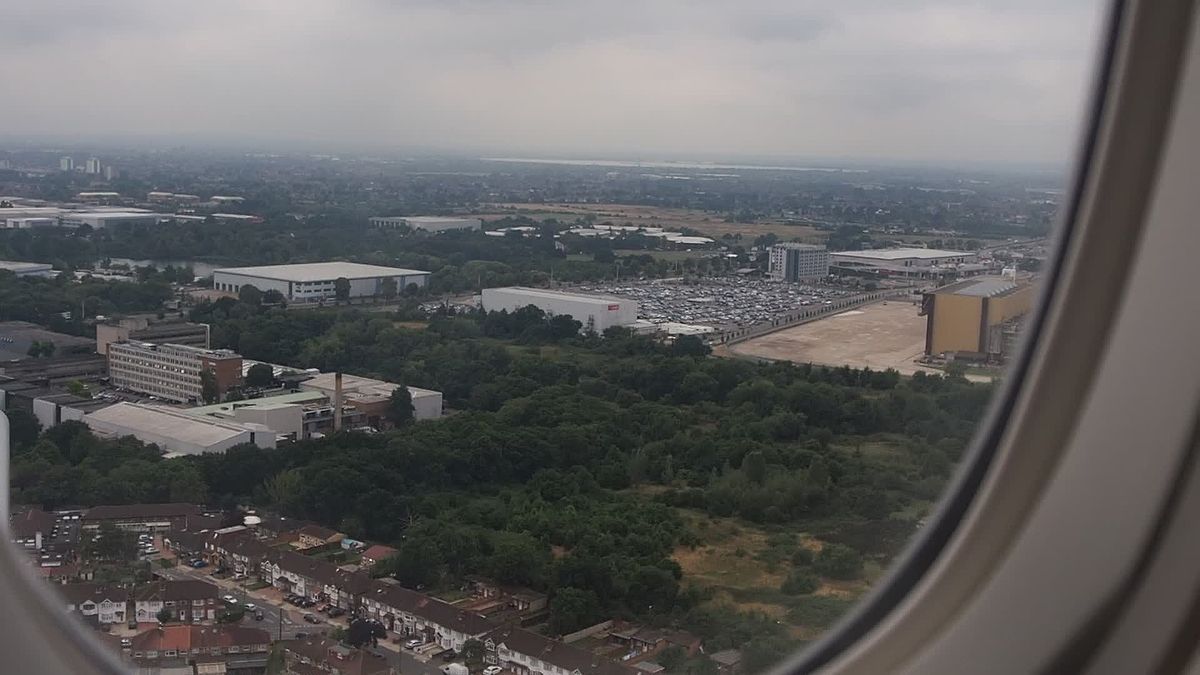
[{"x": 926, "y": 79}]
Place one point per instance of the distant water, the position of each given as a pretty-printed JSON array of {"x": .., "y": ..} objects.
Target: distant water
[{"x": 668, "y": 165}]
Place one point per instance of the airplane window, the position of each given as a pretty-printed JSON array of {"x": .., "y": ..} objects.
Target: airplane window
[{"x": 510, "y": 337}]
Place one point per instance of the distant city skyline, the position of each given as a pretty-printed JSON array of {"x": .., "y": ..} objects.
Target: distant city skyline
[{"x": 980, "y": 82}]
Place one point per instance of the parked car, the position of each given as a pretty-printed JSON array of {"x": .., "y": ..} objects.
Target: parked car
[
  {"x": 312, "y": 618},
  {"x": 336, "y": 611},
  {"x": 414, "y": 643},
  {"x": 492, "y": 670},
  {"x": 126, "y": 642},
  {"x": 300, "y": 635},
  {"x": 449, "y": 655},
  {"x": 250, "y": 607},
  {"x": 230, "y": 599},
  {"x": 198, "y": 564}
]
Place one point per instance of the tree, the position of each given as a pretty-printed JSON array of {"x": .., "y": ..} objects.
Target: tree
[
  {"x": 400, "y": 407},
  {"x": 341, "y": 289},
  {"x": 283, "y": 489},
  {"x": 363, "y": 632},
  {"x": 800, "y": 582},
  {"x": 273, "y": 297},
  {"x": 672, "y": 657},
  {"x": 260, "y": 375},
  {"x": 573, "y": 609},
  {"x": 690, "y": 345},
  {"x": 473, "y": 651},
  {"x": 754, "y": 465},
  {"x": 839, "y": 561},
  {"x": 164, "y": 615},
  {"x": 78, "y": 388},
  {"x": 388, "y": 288},
  {"x": 250, "y": 295},
  {"x": 208, "y": 387}
]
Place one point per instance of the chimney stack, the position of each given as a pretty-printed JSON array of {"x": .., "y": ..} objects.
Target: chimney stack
[{"x": 337, "y": 401}]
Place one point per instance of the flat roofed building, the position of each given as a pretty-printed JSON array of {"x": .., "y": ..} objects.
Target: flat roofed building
[
  {"x": 909, "y": 262},
  {"x": 792, "y": 261},
  {"x": 27, "y": 269},
  {"x": 371, "y": 396},
  {"x": 174, "y": 430},
  {"x": 314, "y": 282},
  {"x": 17, "y": 340},
  {"x": 428, "y": 223},
  {"x": 596, "y": 312},
  {"x": 976, "y": 318},
  {"x": 100, "y": 219},
  {"x": 142, "y": 329},
  {"x": 172, "y": 371}
]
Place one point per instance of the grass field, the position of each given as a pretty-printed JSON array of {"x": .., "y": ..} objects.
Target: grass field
[
  {"x": 744, "y": 565},
  {"x": 710, "y": 224}
]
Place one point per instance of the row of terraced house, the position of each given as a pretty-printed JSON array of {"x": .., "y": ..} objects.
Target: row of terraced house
[{"x": 403, "y": 612}]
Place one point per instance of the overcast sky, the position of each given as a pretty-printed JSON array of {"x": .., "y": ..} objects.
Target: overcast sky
[{"x": 995, "y": 80}]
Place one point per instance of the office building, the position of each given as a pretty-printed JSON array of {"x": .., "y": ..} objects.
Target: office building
[
  {"x": 174, "y": 430},
  {"x": 111, "y": 173},
  {"x": 976, "y": 319},
  {"x": 66, "y": 164},
  {"x": 315, "y": 282},
  {"x": 428, "y": 223},
  {"x": 93, "y": 166},
  {"x": 794, "y": 262},
  {"x": 595, "y": 312},
  {"x": 140, "y": 329},
  {"x": 172, "y": 372}
]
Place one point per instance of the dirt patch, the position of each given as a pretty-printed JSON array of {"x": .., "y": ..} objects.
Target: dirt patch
[
  {"x": 878, "y": 336},
  {"x": 411, "y": 325}
]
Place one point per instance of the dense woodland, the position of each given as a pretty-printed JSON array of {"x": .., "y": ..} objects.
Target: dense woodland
[{"x": 566, "y": 462}]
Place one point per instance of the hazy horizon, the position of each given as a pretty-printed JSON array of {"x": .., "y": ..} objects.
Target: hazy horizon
[{"x": 980, "y": 83}]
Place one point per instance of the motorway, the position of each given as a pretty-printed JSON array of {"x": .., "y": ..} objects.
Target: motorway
[{"x": 282, "y": 623}]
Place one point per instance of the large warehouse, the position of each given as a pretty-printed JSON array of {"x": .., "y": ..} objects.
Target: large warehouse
[
  {"x": 905, "y": 262},
  {"x": 313, "y": 282},
  {"x": 174, "y": 430},
  {"x": 595, "y": 312},
  {"x": 976, "y": 319},
  {"x": 428, "y": 223}
]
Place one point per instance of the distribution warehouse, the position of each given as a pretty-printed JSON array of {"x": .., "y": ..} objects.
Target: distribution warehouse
[
  {"x": 312, "y": 282},
  {"x": 595, "y": 312},
  {"x": 428, "y": 223}
]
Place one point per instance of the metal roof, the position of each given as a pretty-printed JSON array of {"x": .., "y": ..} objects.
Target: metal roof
[
  {"x": 558, "y": 295},
  {"x": 902, "y": 253},
  {"x": 982, "y": 287},
  {"x": 167, "y": 423},
  {"x": 321, "y": 271}
]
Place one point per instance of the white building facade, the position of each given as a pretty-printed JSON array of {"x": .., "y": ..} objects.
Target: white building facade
[
  {"x": 794, "y": 262},
  {"x": 316, "y": 282},
  {"x": 428, "y": 223},
  {"x": 596, "y": 312}
]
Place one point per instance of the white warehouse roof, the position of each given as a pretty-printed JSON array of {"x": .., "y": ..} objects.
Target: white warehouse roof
[
  {"x": 903, "y": 253},
  {"x": 559, "y": 295},
  {"x": 165, "y": 423},
  {"x": 319, "y": 271}
]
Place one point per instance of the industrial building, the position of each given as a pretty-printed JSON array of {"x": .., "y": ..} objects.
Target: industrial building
[
  {"x": 101, "y": 219},
  {"x": 919, "y": 263},
  {"x": 314, "y": 282},
  {"x": 27, "y": 269},
  {"x": 18, "y": 337},
  {"x": 141, "y": 329},
  {"x": 296, "y": 415},
  {"x": 371, "y": 397},
  {"x": 174, "y": 430},
  {"x": 975, "y": 319},
  {"x": 596, "y": 312},
  {"x": 795, "y": 262},
  {"x": 172, "y": 372},
  {"x": 428, "y": 223}
]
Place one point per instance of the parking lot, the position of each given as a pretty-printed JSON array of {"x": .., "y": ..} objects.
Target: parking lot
[{"x": 720, "y": 302}]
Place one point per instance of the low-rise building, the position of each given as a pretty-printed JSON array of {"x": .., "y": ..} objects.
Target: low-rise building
[
  {"x": 141, "y": 329},
  {"x": 31, "y": 528},
  {"x": 916, "y": 263},
  {"x": 96, "y": 603},
  {"x": 428, "y": 223},
  {"x": 317, "y": 282},
  {"x": 192, "y": 648},
  {"x": 410, "y": 614},
  {"x": 977, "y": 319},
  {"x": 176, "y": 431},
  {"x": 141, "y": 517},
  {"x": 99, "y": 220},
  {"x": 596, "y": 312},
  {"x": 527, "y": 653},
  {"x": 376, "y": 554},
  {"x": 372, "y": 397},
  {"x": 27, "y": 269},
  {"x": 315, "y": 536},
  {"x": 187, "y": 600},
  {"x": 23, "y": 340},
  {"x": 315, "y": 655}
]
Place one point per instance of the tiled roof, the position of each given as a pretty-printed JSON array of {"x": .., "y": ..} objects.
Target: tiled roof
[
  {"x": 554, "y": 652},
  {"x": 379, "y": 552},
  {"x": 175, "y": 590},
  {"x": 430, "y": 609},
  {"x": 187, "y": 637},
  {"x": 77, "y": 594},
  {"x": 27, "y": 524}
]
